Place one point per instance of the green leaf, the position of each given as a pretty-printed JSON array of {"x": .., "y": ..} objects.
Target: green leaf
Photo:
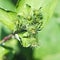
[
  {"x": 8, "y": 50},
  {"x": 2, "y": 52},
  {"x": 7, "y": 5},
  {"x": 8, "y": 19},
  {"x": 49, "y": 40}
]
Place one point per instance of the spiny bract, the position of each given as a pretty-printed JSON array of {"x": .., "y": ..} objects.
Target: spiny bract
[{"x": 28, "y": 26}]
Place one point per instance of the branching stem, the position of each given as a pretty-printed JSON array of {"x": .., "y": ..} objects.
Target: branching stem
[{"x": 8, "y": 37}]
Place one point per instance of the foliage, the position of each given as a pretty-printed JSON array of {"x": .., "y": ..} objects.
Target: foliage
[{"x": 31, "y": 18}]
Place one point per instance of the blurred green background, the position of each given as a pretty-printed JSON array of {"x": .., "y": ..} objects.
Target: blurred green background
[{"x": 49, "y": 39}]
